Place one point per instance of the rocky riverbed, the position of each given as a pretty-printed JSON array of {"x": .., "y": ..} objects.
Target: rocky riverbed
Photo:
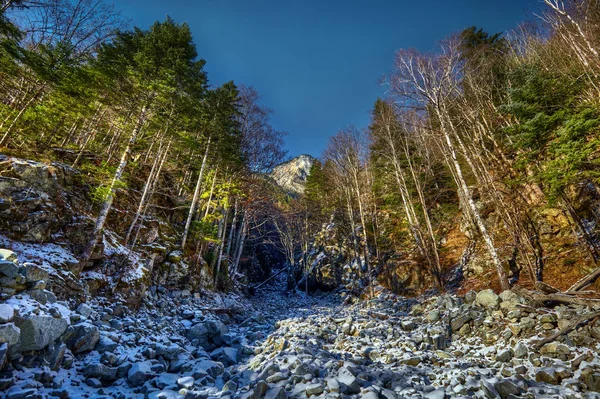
[{"x": 276, "y": 345}]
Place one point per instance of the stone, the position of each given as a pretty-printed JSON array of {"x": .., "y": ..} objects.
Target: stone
[
  {"x": 433, "y": 316},
  {"x": 7, "y": 313},
  {"x": 228, "y": 356},
  {"x": 3, "y": 356},
  {"x": 507, "y": 388},
  {"x": 85, "y": 310},
  {"x": 185, "y": 382},
  {"x": 487, "y": 299},
  {"x": 504, "y": 355},
  {"x": 314, "y": 389},
  {"x": 459, "y": 321},
  {"x": 435, "y": 394},
  {"x": 348, "y": 382},
  {"x": 34, "y": 273},
  {"x": 139, "y": 373},
  {"x": 100, "y": 371},
  {"x": 56, "y": 355},
  {"x": 168, "y": 352},
  {"x": 82, "y": 337},
  {"x": 8, "y": 255},
  {"x": 9, "y": 269},
  {"x": 520, "y": 351},
  {"x": 547, "y": 375},
  {"x": 37, "y": 331},
  {"x": 555, "y": 348},
  {"x": 9, "y": 334},
  {"x": 408, "y": 325},
  {"x": 105, "y": 344},
  {"x": 276, "y": 393}
]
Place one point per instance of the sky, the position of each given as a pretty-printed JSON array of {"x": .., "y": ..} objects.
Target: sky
[{"x": 318, "y": 64}]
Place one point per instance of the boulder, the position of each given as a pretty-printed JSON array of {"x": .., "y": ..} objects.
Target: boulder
[
  {"x": 228, "y": 356},
  {"x": 105, "y": 344},
  {"x": 487, "y": 299},
  {"x": 7, "y": 313},
  {"x": 139, "y": 373},
  {"x": 8, "y": 269},
  {"x": 100, "y": 371},
  {"x": 82, "y": 337},
  {"x": 37, "y": 331},
  {"x": 9, "y": 334}
]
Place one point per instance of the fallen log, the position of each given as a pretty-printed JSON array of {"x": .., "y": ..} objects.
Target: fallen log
[
  {"x": 541, "y": 298},
  {"x": 585, "y": 281},
  {"x": 565, "y": 330}
]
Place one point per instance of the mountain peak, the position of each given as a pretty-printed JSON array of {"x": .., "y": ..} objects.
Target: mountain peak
[{"x": 291, "y": 175}]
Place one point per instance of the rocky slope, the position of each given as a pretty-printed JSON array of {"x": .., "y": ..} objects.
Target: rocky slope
[
  {"x": 291, "y": 175},
  {"x": 203, "y": 345}
]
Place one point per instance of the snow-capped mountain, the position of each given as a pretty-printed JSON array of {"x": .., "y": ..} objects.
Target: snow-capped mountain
[{"x": 291, "y": 175}]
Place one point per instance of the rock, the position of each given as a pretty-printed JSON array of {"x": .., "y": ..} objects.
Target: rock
[
  {"x": 37, "y": 331},
  {"x": 105, "y": 344},
  {"x": 18, "y": 393},
  {"x": 207, "y": 367},
  {"x": 56, "y": 355},
  {"x": 9, "y": 334},
  {"x": 487, "y": 299},
  {"x": 100, "y": 371},
  {"x": 506, "y": 388},
  {"x": 139, "y": 373},
  {"x": 435, "y": 394},
  {"x": 408, "y": 325},
  {"x": 34, "y": 273},
  {"x": 168, "y": 352},
  {"x": 348, "y": 383},
  {"x": 8, "y": 255},
  {"x": 593, "y": 382},
  {"x": 7, "y": 313},
  {"x": 185, "y": 382},
  {"x": 314, "y": 389},
  {"x": 228, "y": 356},
  {"x": 547, "y": 375},
  {"x": 504, "y": 355},
  {"x": 3, "y": 356},
  {"x": 555, "y": 348},
  {"x": 9, "y": 269},
  {"x": 520, "y": 351},
  {"x": 84, "y": 310},
  {"x": 276, "y": 393},
  {"x": 433, "y": 316},
  {"x": 459, "y": 321},
  {"x": 82, "y": 337}
]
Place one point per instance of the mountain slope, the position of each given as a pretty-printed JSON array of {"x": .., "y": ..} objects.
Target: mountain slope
[{"x": 291, "y": 175}]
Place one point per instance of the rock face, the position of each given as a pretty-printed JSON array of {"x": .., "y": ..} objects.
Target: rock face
[{"x": 291, "y": 175}]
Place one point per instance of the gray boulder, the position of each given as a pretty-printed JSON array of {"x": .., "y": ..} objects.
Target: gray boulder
[
  {"x": 139, "y": 373},
  {"x": 82, "y": 337},
  {"x": 100, "y": 371},
  {"x": 487, "y": 299},
  {"x": 7, "y": 313},
  {"x": 37, "y": 331},
  {"x": 9, "y": 333}
]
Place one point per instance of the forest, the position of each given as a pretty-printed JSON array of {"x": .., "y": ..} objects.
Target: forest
[
  {"x": 157, "y": 241},
  {"x": 486, "y": 148}
]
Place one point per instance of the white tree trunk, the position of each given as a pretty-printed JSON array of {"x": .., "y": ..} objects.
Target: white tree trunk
[
  {"x": 101, "y": 220},
  {"x": 188, "y": 222}
]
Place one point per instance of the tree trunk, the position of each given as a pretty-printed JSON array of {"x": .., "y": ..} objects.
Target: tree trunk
[
  {"x": 473, "y": 208},
  {"x": 98, "y": 228},
  {"x": 188, "y": 222}
]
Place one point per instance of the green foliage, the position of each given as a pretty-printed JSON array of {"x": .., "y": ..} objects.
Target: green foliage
[{"x": 555, "y": 132}]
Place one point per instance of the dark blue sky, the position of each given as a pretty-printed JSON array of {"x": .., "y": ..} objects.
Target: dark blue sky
[{"x": 317, "y": 63}]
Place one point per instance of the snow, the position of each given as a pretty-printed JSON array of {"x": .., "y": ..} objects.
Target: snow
[{"x": 48, "y": 256}]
